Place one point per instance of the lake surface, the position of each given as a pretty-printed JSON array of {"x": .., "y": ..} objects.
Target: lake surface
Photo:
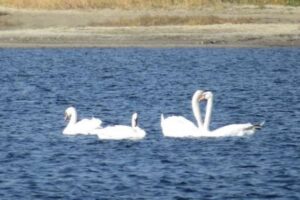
[{"x": 250, "y": 85}]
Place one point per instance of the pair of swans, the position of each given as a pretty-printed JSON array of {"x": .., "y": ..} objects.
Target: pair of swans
[
  {"x": 93, "y": 127},
  {"x": 178, "y": 126}
]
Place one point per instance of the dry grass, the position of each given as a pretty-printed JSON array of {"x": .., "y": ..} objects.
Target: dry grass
[
  {"x": 5, "y": 22},
  {"x": 129, "y": 4},
  {"x": 123, "y": 4},
  {"x": 162, "y": 20}
]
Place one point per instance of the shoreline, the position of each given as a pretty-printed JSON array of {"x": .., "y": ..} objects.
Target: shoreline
[{"x": 270, "y": 27}]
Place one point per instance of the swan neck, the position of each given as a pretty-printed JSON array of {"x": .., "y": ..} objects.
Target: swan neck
[
  {"x": 133, "y": 122},
  {"x": 196, "y": 111},
  {"x": 208, "y": 113},
  {"x": 73, "y": 117}
]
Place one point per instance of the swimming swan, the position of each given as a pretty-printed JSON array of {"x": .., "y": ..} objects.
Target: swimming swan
[
  {"x": 84, "y": 126},
  {"x": 229, "y": 130},
  {"x": 178, "y": 126},
  {"x": 120, "y": 132}
]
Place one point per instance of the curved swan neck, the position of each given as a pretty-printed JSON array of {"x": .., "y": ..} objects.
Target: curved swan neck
[
  {"x": 196, "y": 110},
  {"x": 208, "y": 112},
  {"x": 73, "y": 116}
]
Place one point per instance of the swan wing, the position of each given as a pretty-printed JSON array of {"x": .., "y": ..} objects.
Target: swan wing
[
  {"x": 89, "y": 124},
  {"x": 139, "y": 133},
  {"x": 84, "y": 126},
  {"x": 178, "y": 126}
]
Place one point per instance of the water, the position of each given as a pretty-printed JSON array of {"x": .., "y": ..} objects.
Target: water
[{"x": 250, "y": 85}]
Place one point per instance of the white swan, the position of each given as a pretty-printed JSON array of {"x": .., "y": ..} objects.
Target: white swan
[
  {"x": 120, "y": 132},
  {"x": 84, "y": 126},
  {"x": 225, "y": 131},
  {"x": 178, "y": 126}
]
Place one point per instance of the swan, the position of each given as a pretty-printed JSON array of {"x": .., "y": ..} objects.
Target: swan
[
  {"x": 120, "y": 132},
  {"x": 228, "y": 130},
  {"x": 178, "y": 126},
  {"x": 84, "y": 126}
]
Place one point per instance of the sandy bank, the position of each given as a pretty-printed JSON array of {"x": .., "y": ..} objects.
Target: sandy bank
[{"x": 272, "y": 26}]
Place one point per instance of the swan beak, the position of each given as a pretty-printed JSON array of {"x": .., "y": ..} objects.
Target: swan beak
[{"x": 202, "y": 97}]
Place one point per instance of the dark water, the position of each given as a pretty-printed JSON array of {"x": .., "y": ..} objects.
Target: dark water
[{"x": 250, "y": 85}]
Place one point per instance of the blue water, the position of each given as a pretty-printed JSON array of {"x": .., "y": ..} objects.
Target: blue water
[{"x": 250, "y": 85}]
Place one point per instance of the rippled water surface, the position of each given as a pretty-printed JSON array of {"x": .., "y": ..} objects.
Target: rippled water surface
[{"x": 250, "y": 85}]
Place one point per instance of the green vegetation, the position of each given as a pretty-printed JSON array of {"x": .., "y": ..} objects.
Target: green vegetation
[{"x": 139, "y": 4}]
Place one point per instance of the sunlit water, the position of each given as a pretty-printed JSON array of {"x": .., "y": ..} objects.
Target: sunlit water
[{"x": 250, "y": 85}]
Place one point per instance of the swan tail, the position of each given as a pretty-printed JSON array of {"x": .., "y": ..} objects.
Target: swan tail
[
  {"x": 254, "y": 127},
  {"x": 258, "y": 126}
]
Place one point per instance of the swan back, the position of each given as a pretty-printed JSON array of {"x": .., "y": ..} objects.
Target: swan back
[
  {"x": 233, "y": 130},
  {"x": 178, "y": 126},
  {"x": 121, "y": 132}
]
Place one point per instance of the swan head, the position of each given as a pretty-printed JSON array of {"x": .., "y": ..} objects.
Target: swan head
[
  {"x": 207, "y": 95},
  {"x": 69, "y": 112},
  {"x": 198, "y": 96},
  {"x": 134, "y": 120}
]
